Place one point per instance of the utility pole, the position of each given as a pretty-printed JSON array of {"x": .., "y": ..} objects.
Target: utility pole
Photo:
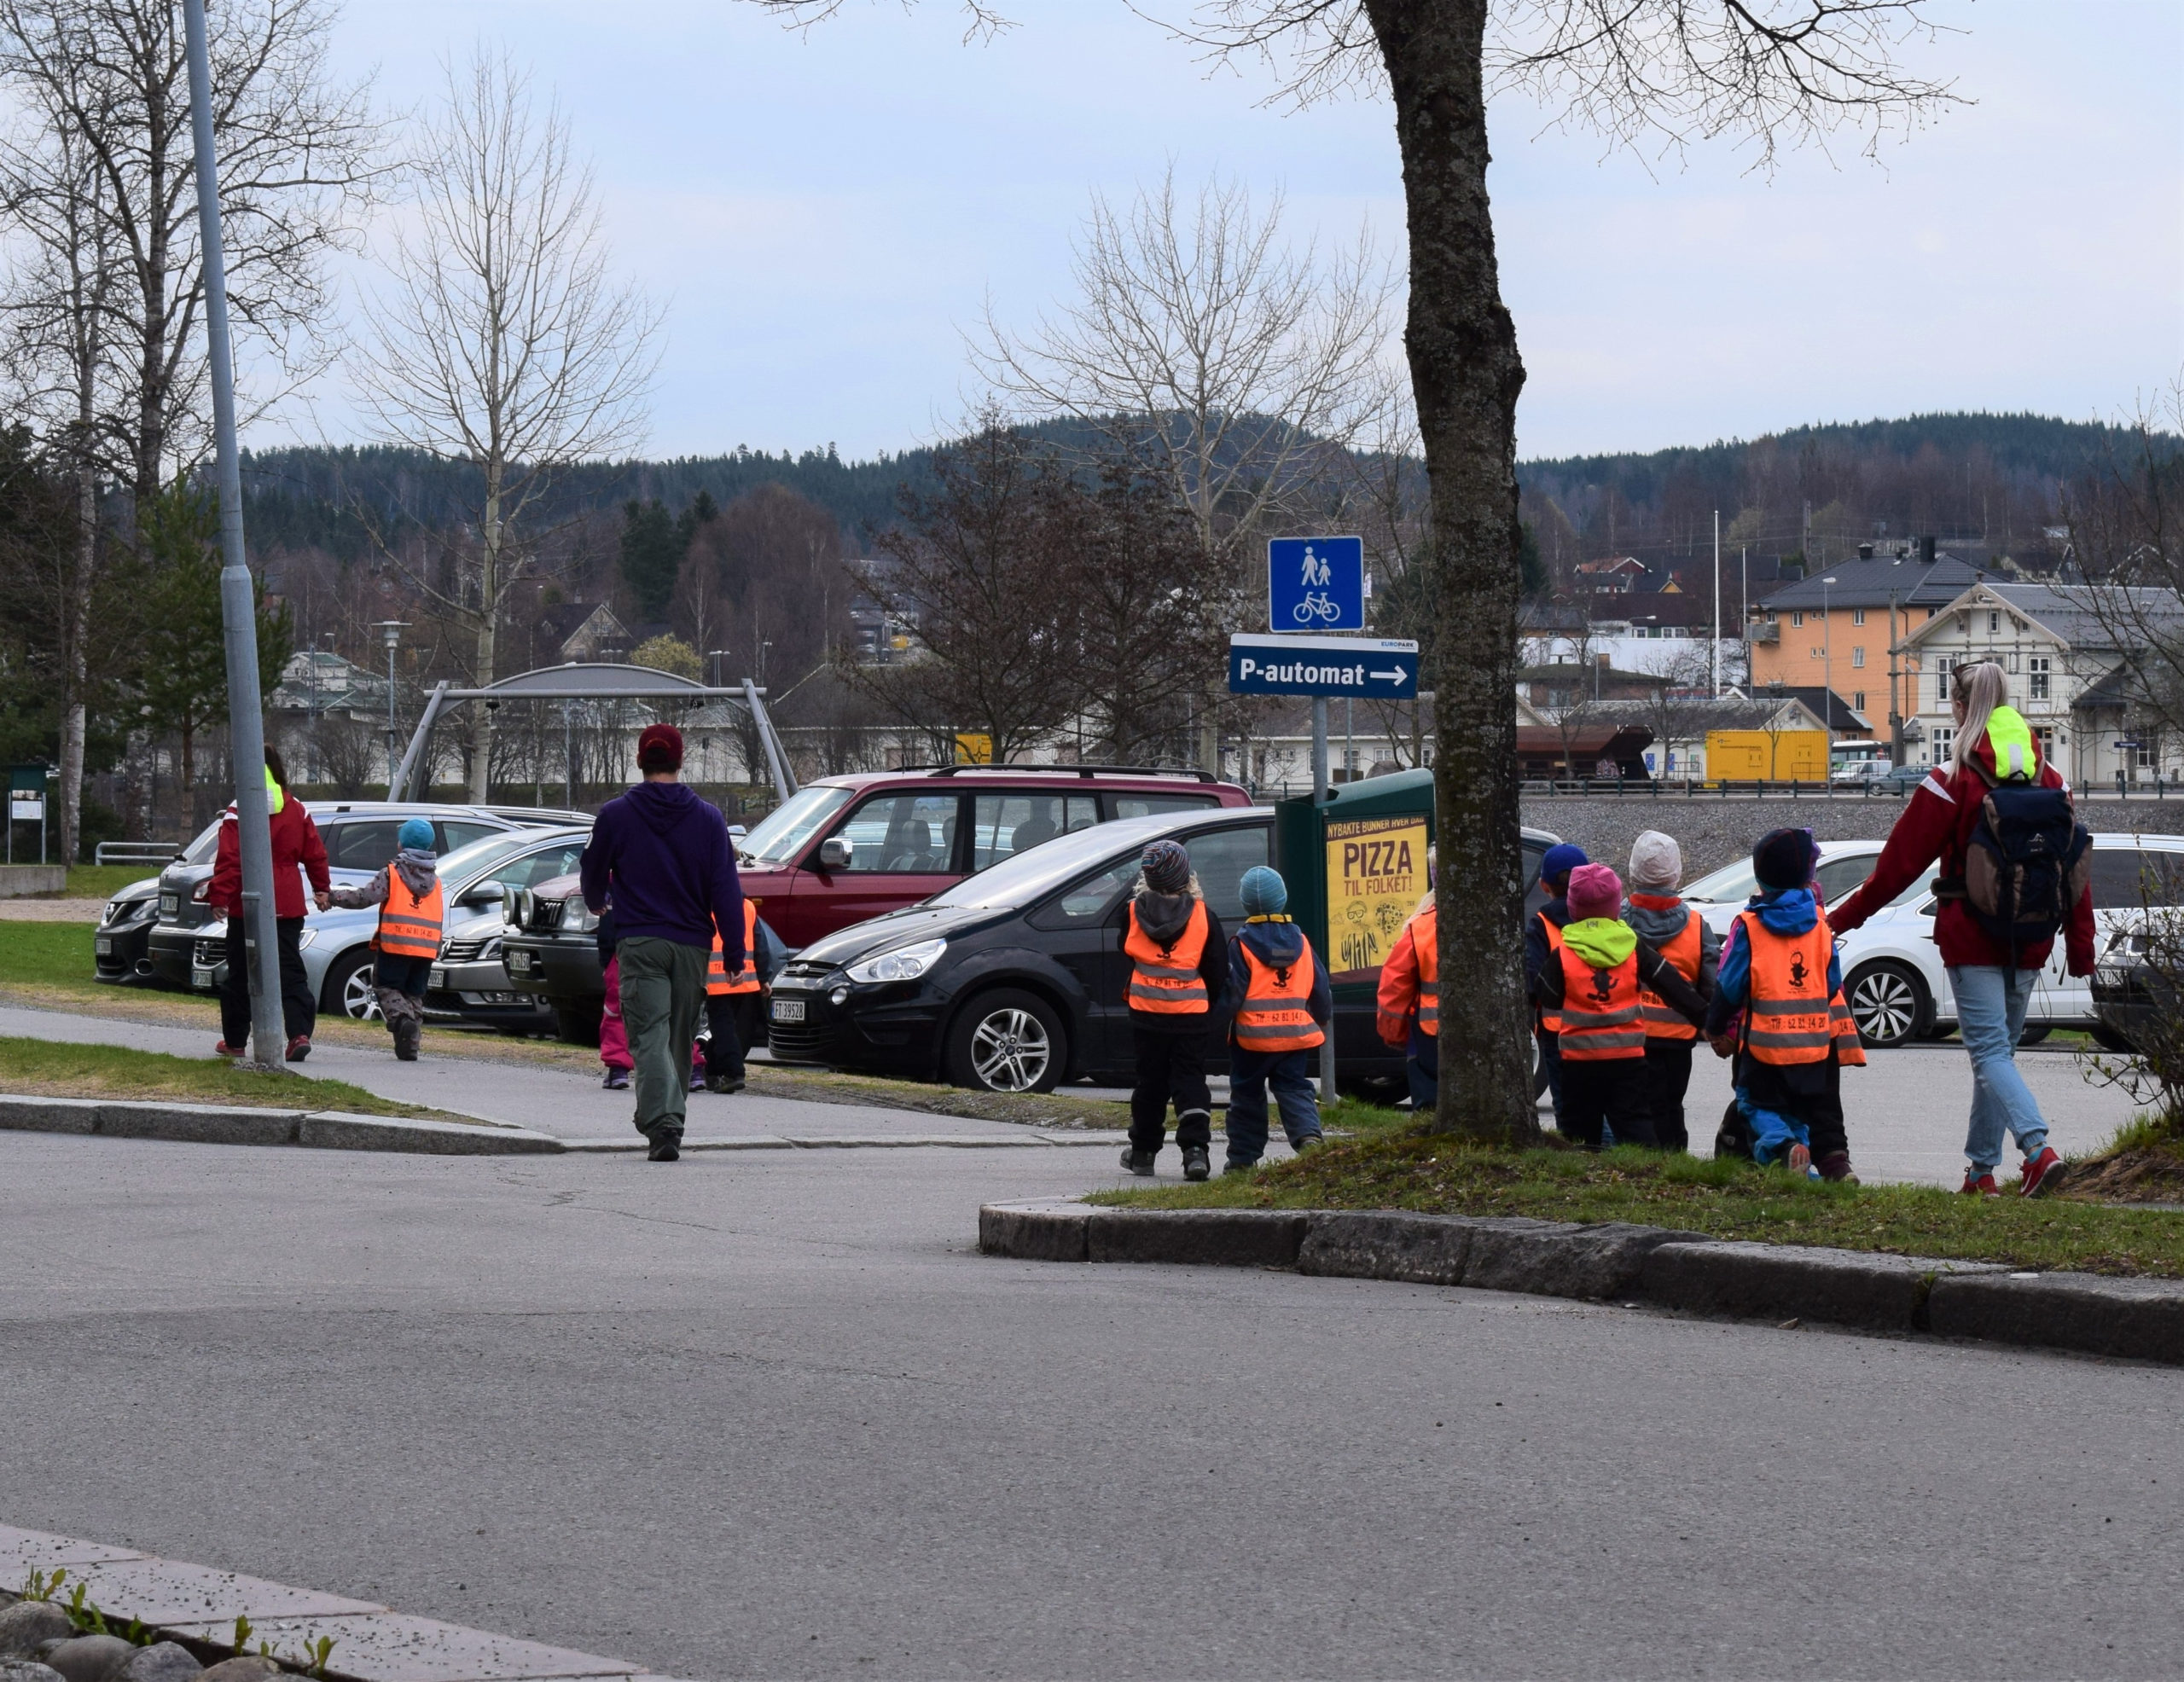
[
  {"x": 1744, "y": 606},
  {"x": 1828, "y": 666},
  {"x": 238, "y": 601},
  {"x": 1713, "y": 654},
  {"x": 1894, "y": 713}
]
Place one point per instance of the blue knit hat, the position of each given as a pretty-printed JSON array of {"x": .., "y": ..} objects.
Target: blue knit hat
[
  {"x": 1263, "y": 891},
  {"x": 1561, "y": 859},
  {"x": 416, "y": 835}
]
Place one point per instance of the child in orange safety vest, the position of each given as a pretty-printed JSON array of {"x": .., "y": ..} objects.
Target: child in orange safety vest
[
  {"x": 734, "y": 1020},
  {"x": 1673, "y": 929},
  {"x": 1284, "y": 1003},
  {"x": 411, "y": 914},
  {"x": 1596, "y": 985},
  {"x": 1178, "y": 979},
  {"x": 1408, "y": 1001},
  {"x": 1779, "y": 1010}
]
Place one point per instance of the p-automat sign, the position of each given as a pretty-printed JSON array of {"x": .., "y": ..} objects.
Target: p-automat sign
[{"x": 1374, "y": 668}]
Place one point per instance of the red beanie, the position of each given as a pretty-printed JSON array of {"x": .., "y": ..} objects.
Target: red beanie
[
  {"x": 659, "y": 748},
  {"x": 1595, "y": 891}
]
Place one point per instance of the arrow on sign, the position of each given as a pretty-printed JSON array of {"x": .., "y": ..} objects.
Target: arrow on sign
[{"x": 1388, "y": 676}]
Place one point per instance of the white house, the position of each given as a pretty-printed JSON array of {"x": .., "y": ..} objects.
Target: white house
[{"x": 2072, "y": 654}]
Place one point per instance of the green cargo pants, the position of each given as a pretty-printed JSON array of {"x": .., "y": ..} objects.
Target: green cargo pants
[{"x": 663, "y": 1001}]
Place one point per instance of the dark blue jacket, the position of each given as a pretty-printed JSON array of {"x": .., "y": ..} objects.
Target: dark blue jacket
[
  {"x": 665, "y": 855},
  {"x": 1277, "y": 945}
]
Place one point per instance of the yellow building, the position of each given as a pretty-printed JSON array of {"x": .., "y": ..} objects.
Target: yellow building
[{"x": 1843, "y": 628}]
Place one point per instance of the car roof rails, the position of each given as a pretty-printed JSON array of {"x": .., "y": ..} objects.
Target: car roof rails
[{"x": 1084, "y": 771}]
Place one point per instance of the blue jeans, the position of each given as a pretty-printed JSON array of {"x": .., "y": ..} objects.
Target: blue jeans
[
  {"x": 1250, "y": 1073},
  {"x": 1990, "y": 1005}
]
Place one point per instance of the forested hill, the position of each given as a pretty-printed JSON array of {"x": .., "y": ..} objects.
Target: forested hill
[{"x": 1938, "y": 471}]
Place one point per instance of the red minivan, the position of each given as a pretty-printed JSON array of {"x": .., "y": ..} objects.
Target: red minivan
[{"x": 843, "y": 848}]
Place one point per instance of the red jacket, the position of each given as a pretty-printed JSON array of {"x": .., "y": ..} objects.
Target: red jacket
[
  {"x": 1937, "y": 825},
  {"x": 295, "y": 846}
]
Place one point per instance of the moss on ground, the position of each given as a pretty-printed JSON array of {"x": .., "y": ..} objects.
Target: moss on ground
[{"x": 1403, "y": 1167}]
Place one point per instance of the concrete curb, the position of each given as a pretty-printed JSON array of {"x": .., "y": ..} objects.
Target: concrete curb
[
  {"x": 881, "y": 1141},
  {"x": 241, "y": 1124},
  {"x": 2135, "y": 1319},
  {"x": 198, "y": 1605}
]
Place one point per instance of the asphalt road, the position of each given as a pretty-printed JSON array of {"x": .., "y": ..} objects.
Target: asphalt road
[{"x": 767, "y": 1414}]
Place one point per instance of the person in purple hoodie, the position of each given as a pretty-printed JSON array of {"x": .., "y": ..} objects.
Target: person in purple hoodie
[{"x": 665, "y": 855}]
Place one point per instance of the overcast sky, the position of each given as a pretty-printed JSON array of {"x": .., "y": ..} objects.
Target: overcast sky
[{"x": 823, "y": 213}]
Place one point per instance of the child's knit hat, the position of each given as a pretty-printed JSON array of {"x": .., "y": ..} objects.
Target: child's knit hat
[
  {"x": 1595, "y": 891},
  {"x": 1263, "y": 892}
]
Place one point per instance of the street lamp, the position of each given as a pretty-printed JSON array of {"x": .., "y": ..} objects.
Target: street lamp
[{"x": 390, "y": 632}]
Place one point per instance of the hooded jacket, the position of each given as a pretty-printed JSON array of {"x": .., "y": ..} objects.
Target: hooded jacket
[
  {"x": 1937, "y": 826},
  {"x": 665, "y": 855},
  {"x": 296, "y": 846},
  {"x": 418, "y": 869},
  {"x": 1603, "y": 941},
  {"x": 1163, "y": 917},
  {"x": 1277, "y": 942},
  {"x": 1658, "y": 918}
]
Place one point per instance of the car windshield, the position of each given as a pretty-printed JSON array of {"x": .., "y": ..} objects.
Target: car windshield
[
  {"x": 1017, "y": 882},
  {"x": 201, "y": 849},
  {"x": 782, "y": 834},
  {"x": 458, "y": 866},
  {"x": 1734, "y": 884}
]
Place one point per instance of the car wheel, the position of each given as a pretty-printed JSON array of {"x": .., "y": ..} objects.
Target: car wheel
[
  {"x": 348, "y": 991},
  {"x": 1888, "y": 1003},
  {"x": 576, "y": 1021},
  {"x": 2109, "y": 1040},
  {"x": 1008, "y": 1040},
  {"x": 2035, "y": 1032}
]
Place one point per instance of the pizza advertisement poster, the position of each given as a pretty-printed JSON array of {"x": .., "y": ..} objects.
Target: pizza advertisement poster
[{"x": 1376, "y": 876}]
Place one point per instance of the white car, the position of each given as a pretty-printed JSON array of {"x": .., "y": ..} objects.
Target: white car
[{"x": 1893, "y": 978}]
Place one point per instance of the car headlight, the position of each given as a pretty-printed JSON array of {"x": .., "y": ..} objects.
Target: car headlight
[
  {"x": 904, "y": 963},
  {"x": 577, "y": 918}
]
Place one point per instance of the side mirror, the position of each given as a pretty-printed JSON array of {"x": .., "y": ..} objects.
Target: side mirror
[
  {"x": 481, "y": 893},
  {"x": 737, "y": 829},
  {"x": 835, "y": 851}
]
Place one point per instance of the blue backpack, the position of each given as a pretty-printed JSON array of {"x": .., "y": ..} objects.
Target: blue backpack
[{"x": 2028, "y": 862}]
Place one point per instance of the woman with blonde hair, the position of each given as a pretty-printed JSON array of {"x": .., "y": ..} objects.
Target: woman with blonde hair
[{"x": 1993, "y": 979}]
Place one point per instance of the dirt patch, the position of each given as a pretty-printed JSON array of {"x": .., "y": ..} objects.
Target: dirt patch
[{"x": 2132, "y": 1176}]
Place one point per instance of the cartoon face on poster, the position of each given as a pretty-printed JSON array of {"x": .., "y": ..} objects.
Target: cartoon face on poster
[{"x": 1376, "y": 876}]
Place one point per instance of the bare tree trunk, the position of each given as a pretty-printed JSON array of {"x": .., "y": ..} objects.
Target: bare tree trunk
[
  {"x": 76, "y": 631},
  {"x": 1466, "y": 375},
  {"x": 489, "y": 592}
]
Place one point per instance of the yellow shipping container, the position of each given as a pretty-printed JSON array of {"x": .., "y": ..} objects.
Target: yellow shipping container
[{"x": 1778, "y": 756}]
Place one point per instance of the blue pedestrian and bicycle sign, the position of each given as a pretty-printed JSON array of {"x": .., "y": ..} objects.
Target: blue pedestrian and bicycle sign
[
  {"x": 1315, "y": 584},
  {"x": 1383, "y": 668}
]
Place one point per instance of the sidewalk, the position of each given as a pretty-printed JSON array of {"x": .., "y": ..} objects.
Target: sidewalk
[{"x": 561, "y": 1102}]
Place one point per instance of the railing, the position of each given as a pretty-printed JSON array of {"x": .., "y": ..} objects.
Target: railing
[
  {"x": 135, "y": 852},
  {"x": 1726, "y": 788}
]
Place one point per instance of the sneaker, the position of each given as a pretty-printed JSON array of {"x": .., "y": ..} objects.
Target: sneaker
[
  {"x": 616, "y": 1080},
  {"x": 665, "y": 1151},
  {"x": 408, "y": 1035},
  {"x": 1198, "y": 1162},
  {"x": 1138, "y": 1162},
  {"x": 1836, "y": 1166},
  {"x": 2042, "y": 1174},
  {"x": 222, "y": 1049},
  {"x": 299, "y": 1048},
  {"x": 1237, "y": 1167},
  {"x": 1978, "y": 1185},
  {"x": 724, "y": 1083},
  {"x": 697, "y": 1080},
  {"x": 1310, "y": 1141}
]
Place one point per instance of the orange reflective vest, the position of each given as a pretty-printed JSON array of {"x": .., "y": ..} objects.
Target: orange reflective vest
[
  {"x": 1165, "y": 979},
  {"x": 410, "y": 927},
  {"x": 1601, "y": 1018},
  {"x": 1426, "y": 941},
  {"x": 1551, "y": 1020},
  {"x": 1276, "y": 1015},
  {"x": 1684, "y": 950},
  {"x": 1790, "y": 1015},
  {"x": 718, "y": 981}
]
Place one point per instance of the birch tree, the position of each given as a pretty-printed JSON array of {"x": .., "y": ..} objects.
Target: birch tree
[
  {"x": 103, "y": 302},
  {"x": 502, "y": 340},
  {"x": 1652, "y": 74}
]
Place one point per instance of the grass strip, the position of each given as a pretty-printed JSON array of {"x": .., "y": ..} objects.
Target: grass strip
[
  {"x": 1403, "y": 1167},
  {"x": 49, "y": 1069}
]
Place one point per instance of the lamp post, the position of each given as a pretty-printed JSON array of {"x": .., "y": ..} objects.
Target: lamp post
[
  {"x": 1827, "y": 667},
  {"x": 238, "y": 599},
  {"x": 390, "y": 632}
]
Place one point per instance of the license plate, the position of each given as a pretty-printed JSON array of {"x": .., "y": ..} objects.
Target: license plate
[
  {"x": 201, "y": 977},
  {"x": 103, "y": 946},
  {"x": 518, "y": 963},
  {"x": 168, "y": 904},
  {"x": 788, "y": 1010},
  {"x": 439, "y": 982}
]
